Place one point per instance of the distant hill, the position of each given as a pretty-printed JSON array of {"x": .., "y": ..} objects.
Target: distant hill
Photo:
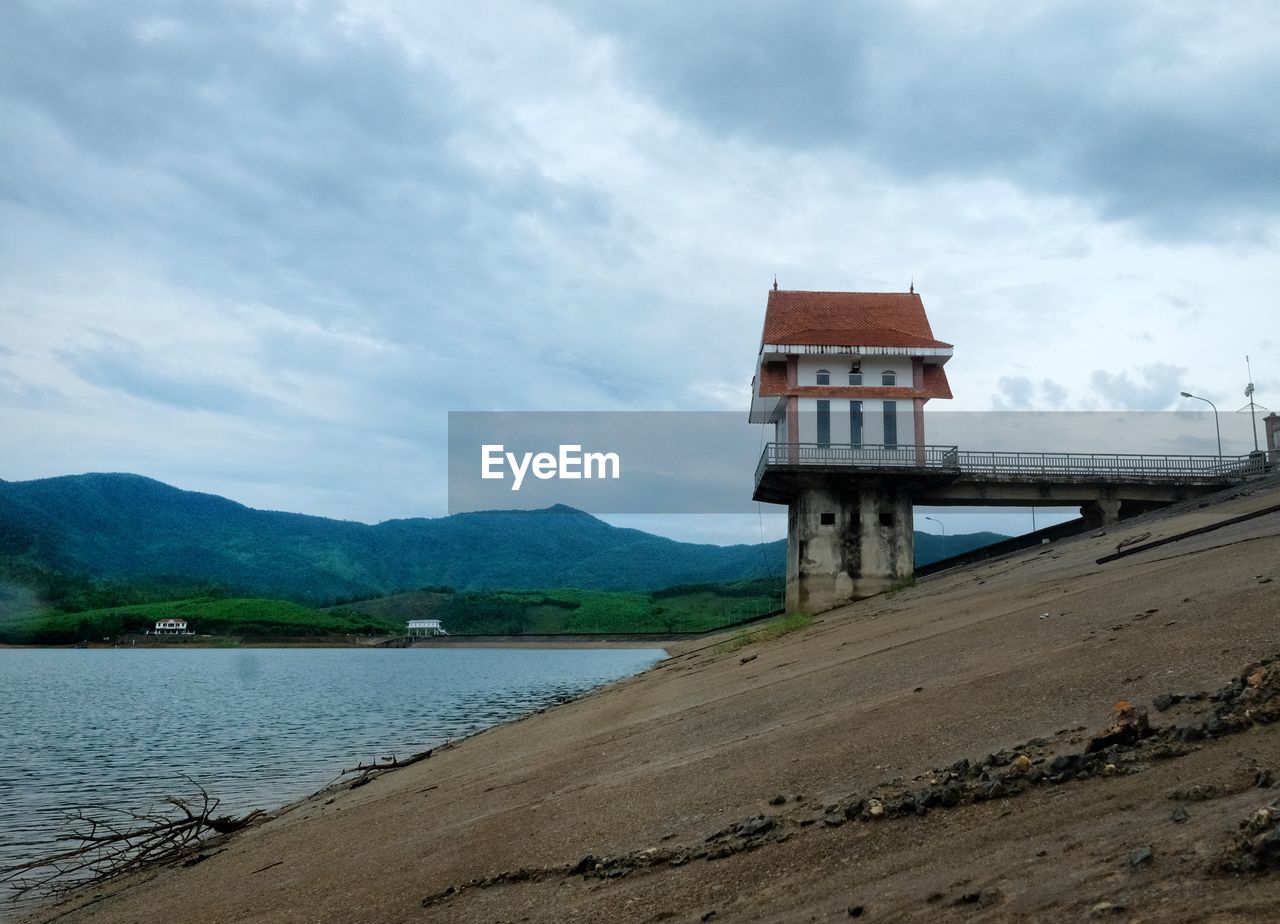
[{"x": 121, "y": 526}]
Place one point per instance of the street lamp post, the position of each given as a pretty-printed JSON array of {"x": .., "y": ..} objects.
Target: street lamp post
[
  {"x": 1216, "y": 428},
  {"x": 940, "y": 524}
]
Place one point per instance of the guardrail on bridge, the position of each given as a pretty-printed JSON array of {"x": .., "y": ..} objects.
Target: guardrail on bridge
[{"x": 1141, "y": 467}]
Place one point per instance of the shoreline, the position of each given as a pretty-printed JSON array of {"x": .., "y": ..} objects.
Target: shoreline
[
  {"x": 345, "y": 779},
  {"x": 606, "y": 644}
]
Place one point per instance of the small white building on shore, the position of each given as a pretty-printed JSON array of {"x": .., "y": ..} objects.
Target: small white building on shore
[
  {"x": 426, "y": 627},
  {"x": 172, "y": 627}
]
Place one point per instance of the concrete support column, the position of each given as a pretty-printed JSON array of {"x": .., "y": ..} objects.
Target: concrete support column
[
  {"x": 844, "y": 545},
  {"x": 1272, "y": 424},
  {"x": 1101, "y": 512}
]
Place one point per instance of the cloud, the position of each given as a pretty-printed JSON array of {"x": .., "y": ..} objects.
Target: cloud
[
  {"x": 1158, "y": 391},
  {"x": 1014, "y": 394},
  {"x": 1155, "y": 115},
  {"x": 1019, "y": 393},
  {"x": 1055, "y": 395}
]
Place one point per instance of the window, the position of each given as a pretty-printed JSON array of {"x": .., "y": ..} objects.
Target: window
[
  {"x": 886, "y": 519},
  {"x": 828, "y": 519},
  {"x": 855, "y": 423},
  {"x": 888, "y": 377},
  {"x": 891, "y": 423},
  {"x": 855, "y": 374},
  {"x": 824, "y": 423},
  {"x": 824, "y": 377}
]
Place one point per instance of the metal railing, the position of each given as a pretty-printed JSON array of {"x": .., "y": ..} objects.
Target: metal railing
[
  {"x": 1111, "y": 466},
  {"x": 869, "y": 457},
  {"x": 1050, "y": 465}
]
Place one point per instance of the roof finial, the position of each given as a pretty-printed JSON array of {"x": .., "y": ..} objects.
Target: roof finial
[
  {"x": 775, "y": 282},
  {"x": 912, "y": 290}
]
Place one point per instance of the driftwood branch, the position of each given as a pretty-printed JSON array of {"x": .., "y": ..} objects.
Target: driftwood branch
[
  {"x": 372, "y": 771},
  {"x": 102, "y": 842}
]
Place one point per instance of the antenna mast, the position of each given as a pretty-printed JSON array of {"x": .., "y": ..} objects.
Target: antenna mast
[{"x": 1248, "y": 393}]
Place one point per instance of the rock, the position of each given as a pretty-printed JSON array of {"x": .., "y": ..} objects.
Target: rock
[
  {"x": 1197, "y": 793},
  {"x": 1139, "y": 856},
  {"x": 1265, "y": 779},
  {"x": 1105, "y": 909},
  {"x": 1021, "y": 763},
  {"x": 1064, "y": 763},
  {"x": 1216, "y": 728},
  {"x": 750, "y": 657},
  {"x": 750, "y": 827},
  {"x": 875, "y": 808},
  {"x": 1261, "y": 820},
  {"x": 918, "y": 690},
  {"x": 1179, "y": 815},
  {"x": 992, "y": 790},
  {"x": 779, "y": 799},
  {"x": 1000, "y": 758},
  {"x": 1110, "y": 770},
  {"x": 1128, "y": 725},
  {"x": 856, "y": 911},
  {"x": 1165, "y": 701}
]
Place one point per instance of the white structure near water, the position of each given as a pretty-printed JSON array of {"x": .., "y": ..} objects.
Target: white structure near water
[
  {"x": 172, "y": 627},
  {"x": 426, "y": 627}
]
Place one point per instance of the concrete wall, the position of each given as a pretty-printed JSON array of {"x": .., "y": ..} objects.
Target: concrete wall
[
  {"x": 872, "y": 420},
  {"x": 806, "y": 373},
  {"x": 807, "y": 369},
  {"x": 1272, "y": 425},
  {"x": 844, "y": 545}
]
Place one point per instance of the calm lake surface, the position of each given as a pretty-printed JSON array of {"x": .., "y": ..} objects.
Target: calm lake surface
[{"x": 256, "y": 727}]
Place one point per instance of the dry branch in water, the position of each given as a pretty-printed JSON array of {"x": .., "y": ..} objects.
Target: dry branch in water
[
  {"x": 371, "y": 771},
  {"x": 104, "y": 842}
]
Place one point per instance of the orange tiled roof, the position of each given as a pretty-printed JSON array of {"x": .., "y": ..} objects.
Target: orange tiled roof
[
  {"x": 773, "y": 379},
  {"x": 848, "y": 319},
  {"x": 935, "y": 382}
]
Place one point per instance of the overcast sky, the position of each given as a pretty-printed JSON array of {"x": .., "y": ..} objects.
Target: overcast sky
[{"x": 261, "y": 249}]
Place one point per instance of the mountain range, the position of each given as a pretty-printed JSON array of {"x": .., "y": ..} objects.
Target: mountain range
[{"x": 123, "y": 526}]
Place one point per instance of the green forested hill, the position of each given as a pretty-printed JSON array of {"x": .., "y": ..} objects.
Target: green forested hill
[
  {"x": 115, "y": 526},
  {"x": 126, "y": 527}
]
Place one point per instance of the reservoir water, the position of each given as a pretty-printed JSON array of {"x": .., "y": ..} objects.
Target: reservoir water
[{"x": 255, "y": 727}]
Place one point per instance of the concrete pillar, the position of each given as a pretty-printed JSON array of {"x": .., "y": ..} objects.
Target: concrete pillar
[
  {"x": 1272, "y": 424},
  {"x": 1101, "y": 512},
  {"x": 844, "y": 545}
]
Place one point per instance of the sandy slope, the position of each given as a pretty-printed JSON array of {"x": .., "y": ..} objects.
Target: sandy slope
[{"x": 870, "y": 696}]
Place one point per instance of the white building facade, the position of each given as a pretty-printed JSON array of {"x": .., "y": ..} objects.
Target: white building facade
[{"x": 847, "y": 369}]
